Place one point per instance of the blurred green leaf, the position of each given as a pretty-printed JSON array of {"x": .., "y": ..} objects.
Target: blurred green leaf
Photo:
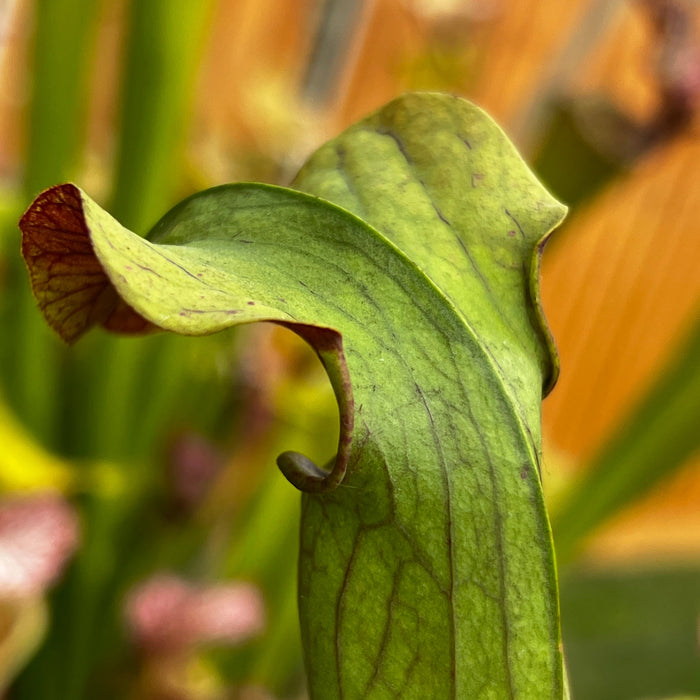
[
  {"x": 630, "y": 635},
  {"x": 594, "y": 135},
  {"x": 429, "y": 568},
  {"x": 163, "y": 52},
  {"x": 63, "y": 43},
  {"x": 655, "y": 440}
]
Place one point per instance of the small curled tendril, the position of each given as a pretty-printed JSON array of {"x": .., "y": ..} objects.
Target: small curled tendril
[
  {"x": 298, "y": 469},
  {"x": 306, "y": 475}
]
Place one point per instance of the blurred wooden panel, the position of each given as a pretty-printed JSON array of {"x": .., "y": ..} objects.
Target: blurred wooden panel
[
  {"x": 619, "y": 290},
  {"x": 519, "y": 55},
  {"x": 253, "y": 41}
]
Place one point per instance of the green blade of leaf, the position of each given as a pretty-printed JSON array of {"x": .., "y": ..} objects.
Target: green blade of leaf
[
  {"x": 426, "y": 566},
  {"x": 454, "y": 195}
]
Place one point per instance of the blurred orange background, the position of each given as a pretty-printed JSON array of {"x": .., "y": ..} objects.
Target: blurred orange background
[{"x": 621, "y": 286}]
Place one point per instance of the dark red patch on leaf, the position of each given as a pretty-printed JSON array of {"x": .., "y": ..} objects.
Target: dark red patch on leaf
[{"x": 72, "y": 289}]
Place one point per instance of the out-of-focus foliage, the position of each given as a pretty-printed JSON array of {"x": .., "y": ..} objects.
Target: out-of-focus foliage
[
  {"x": 144, "y": 102},
  {"x": 633, "y": 634}
]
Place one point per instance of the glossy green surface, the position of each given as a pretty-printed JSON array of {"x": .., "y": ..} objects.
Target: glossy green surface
[{"x": 426, "y": 565}]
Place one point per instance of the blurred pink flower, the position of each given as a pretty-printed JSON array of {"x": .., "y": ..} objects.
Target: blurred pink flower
[
  {"x": 38, "y": 534},
  {"x": 166, "y": 614},
  {"x": 193, "y": 465}
]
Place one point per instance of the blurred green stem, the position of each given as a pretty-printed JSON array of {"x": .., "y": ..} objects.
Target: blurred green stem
[
  {"x": 63, "y": 38},
  {"x": 339, "y": 24},
  {"x": 165, "y": 41},
  {"x": 264, "y": 550}
]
